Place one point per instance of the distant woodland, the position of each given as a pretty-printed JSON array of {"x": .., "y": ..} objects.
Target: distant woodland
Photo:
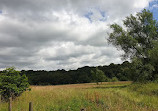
[{"x": 112, "y": 72}]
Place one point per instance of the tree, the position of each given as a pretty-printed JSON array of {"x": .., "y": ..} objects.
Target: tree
[
  {"x": 141, "y": 72},
  {"x": 12, "y": 84},
  {"x": 98, "y": 76},
  {"x": 114, "y": 79},
  {"x": 153, "y": 55},
  {"x": 138, "y": 39}
]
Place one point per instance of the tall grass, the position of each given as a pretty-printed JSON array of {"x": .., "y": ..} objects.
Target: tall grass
[{"x": 114, "y": 96}]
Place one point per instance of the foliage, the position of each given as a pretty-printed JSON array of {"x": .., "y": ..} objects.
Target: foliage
[
  {"x": 12, "y": 84},
  {"x": 141, "y": 72},
  {"x": 81, "y": 75},
  {"x": 153, "y": 56},
  {"x": 114, "y": 79},
  {"x": 98, "y": 75},
  {"x": 138, "y": 39}
]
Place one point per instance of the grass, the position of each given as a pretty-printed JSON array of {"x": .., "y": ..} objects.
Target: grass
[{"x": 110, "y": 96}]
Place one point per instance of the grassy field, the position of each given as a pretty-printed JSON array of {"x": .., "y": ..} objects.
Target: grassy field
[{"x": 114, "y": 96}]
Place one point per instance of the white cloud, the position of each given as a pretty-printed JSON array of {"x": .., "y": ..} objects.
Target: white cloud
[{"x": 140, "y": 4}]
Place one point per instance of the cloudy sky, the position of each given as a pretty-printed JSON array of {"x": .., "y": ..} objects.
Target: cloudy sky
[{"x": 62, "y": 34}]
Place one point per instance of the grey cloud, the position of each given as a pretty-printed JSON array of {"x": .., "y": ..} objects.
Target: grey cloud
[
  {"x": 37, "y": 9},
  {"x": 98, "y": 39}
]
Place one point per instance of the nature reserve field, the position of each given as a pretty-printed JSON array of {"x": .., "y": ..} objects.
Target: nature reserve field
[{"x": 109, "y": 96}]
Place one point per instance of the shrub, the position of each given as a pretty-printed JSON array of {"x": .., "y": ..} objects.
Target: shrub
[
  {"x": 114, "y": 79},
  {"x": 12, "y": 84}
]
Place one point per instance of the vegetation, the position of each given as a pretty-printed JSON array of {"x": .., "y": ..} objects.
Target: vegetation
[
  {"x": 115, "y": 96},
  {"x": 12, "y": 84},
  {"x": 98, "y": 76},
  {"x": 139, "y": 40},
  {"x": 81, "y": 75}
]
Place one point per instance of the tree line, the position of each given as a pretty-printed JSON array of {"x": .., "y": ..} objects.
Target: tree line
[{"x": 112, "y": 72}]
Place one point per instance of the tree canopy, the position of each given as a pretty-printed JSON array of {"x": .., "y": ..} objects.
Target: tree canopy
[
  {"x": 12, "y": 84},
  {"x": 80, "y": 75}
]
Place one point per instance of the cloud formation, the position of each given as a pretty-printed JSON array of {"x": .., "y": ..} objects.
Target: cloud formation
[{"x": 65, "y": 34}]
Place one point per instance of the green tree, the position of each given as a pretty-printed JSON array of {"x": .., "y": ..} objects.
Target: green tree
[
  {"x": 141, "y": 72},
  {"x": 153, "y": 55},
  {"x": 114, "y": 79},
  {"x": 98, "y": 76},
  {"x": 12, "y": 84},
  {"x": 138, "y": 39}
]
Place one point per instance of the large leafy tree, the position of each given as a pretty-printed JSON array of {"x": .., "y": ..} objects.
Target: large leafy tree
[
  {"x": 138, "y": 38},
  {"x": 12, "y": 84}
]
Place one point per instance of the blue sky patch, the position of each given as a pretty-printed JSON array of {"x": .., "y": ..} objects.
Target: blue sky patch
[
  {"x": 91, "y": 13},
  {"x": 153, "y": 7},
  {"x": 104, "y": 17},
  {"x": 88, "y": 15}
]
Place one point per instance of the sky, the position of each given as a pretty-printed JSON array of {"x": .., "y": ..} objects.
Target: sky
[{"x": 62, "y": 34}]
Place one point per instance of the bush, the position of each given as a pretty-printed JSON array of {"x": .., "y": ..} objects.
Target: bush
[
  {"x": 98, "y": 76},
  {"x": 12, "y": 84},
  {"x": 114, "y": 79}
]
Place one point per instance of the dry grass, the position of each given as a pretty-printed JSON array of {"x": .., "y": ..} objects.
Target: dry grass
[
  {"x": 85, "y": 85},
  {"x": 110, "y": 96}
]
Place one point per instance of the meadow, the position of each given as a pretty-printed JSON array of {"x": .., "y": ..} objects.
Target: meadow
[{"x": 108, "y": 96}]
